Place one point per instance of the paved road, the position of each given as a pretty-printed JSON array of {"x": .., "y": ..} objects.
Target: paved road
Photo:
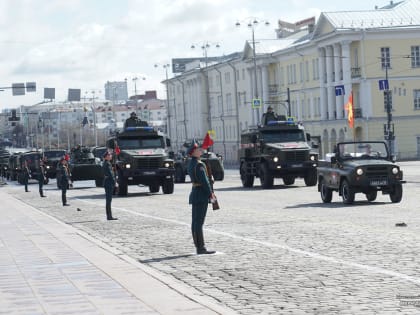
[{"x": 280, "y": 251}]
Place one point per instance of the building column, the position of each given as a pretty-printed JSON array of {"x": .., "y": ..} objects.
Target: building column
[
  {"x": 338, "y": 70},
  {"x": 322, "y": 80},
  {"x": 330, "y": 82},
  {"x": 345, "y": 50}
]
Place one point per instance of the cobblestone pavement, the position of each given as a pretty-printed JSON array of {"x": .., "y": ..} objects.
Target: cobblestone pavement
[{"x": 280, "y": 251}]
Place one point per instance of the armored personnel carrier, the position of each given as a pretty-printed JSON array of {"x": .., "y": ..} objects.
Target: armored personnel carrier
[
  {"x": 277, "y": 150},
  {"x": 84, "y": 166},
  {"x": 143, "y": 158}
]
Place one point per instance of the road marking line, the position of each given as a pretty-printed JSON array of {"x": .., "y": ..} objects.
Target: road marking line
[{"x": 371, "y": 269}]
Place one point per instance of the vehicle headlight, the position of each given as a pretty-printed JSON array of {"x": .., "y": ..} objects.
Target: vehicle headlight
[
  {"x": 275, "y": 159},
  {"x": 127, "y": 165},
  {"x": 312, "y": 157},
  {"x": 167, "y": 164},
  {"x": 48, "y": 167},
  {"x": 359, "y": 171},
  {"x": 395, "y": 170}
]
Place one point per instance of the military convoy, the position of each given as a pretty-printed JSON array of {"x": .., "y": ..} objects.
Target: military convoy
[
  {"x": 360, "y": 167},
  {"x": 277, "y": 150},
  {"x": 142, "y": 157}
]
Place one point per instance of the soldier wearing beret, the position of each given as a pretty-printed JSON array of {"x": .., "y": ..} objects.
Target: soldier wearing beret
[
  {"x": 200, "y": 195},
  {"x": 109, "y": 184}
]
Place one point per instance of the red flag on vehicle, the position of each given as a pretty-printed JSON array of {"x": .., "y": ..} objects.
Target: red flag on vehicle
[{"x": 207, "y": 142}]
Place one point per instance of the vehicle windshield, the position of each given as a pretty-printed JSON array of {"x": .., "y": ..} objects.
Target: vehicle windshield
[
  {"x": 283, "y": 136},
  {"x": 362, "y": 150},
  {"x": 54, "y": 154},
  {"x": 140, "y": 143}
]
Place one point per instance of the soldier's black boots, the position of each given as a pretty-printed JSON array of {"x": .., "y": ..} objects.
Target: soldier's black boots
[
  {"x": 199, "y": 242},
  {"x": 109, "y": 214}
]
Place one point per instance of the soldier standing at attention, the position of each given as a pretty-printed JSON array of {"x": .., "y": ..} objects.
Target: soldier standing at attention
[
  {"x": 64, "y": 180},
  {"x": 25, "y": 174},
  {"x": 270, "y": 115},
  {"x": 41, "y": 177},
  {"x": 109, "y": 184},
  {"x": 200, "y": 195}
]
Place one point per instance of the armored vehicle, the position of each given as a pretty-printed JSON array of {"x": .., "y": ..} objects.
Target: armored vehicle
[
  {"x": 277, "y": 150},
  {"x": 98, "y": 152},
  {"x": 4, "y": 162},
  {"x": 214, "y": 162},
  {"x": 32, "y": 158},
  {"x": 84, "y": 166},
  {"x": 142, "y": 157},
  {"x": 51, "y": 160},
  {"x": 360, "y": 167}
]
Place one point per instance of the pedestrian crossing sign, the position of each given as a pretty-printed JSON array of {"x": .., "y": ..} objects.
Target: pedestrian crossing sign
[{"x": 256, "y": 103}]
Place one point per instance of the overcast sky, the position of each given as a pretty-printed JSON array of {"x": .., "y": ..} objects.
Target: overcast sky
[{"x": 82, "y": 44}]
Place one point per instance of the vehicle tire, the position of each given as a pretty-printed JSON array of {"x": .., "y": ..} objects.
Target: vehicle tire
[
  {"x": 311, "y": 178},
  {"x": 168, "y": 186},
  {"x": 397, "y": 193},
  {"x": 99, "y": 182},
  {"x": 179, "y": 175},
  {"x": 371, "y": 195},
  {"x": 122, "y": 186},
  {"x": 219, "y": 176},
  {"x": 154, "y": 188},
  {"x": 290, "y": 180},
  {"x": 347, "y": 192},
  {"x": 247, "y": 180},
  {"x": 267, "y": 180},
  {"x": 326, "y": 193}
]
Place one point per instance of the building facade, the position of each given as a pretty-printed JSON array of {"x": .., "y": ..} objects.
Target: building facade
[{"x": 344, "y": 53}]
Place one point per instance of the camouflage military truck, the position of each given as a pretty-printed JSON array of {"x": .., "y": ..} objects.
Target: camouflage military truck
[
  {"x": 51, "y": 160},
  {"x": 277, "y": 150},
  {"x": 213, "y": 160},
  {"x": 32, "y": 158},
  {"x": 4, "y": 162},
  {"x": 360, "y": 167},
  {"x": 143, "y": 159},
  {"x": 84, "y": 166}
]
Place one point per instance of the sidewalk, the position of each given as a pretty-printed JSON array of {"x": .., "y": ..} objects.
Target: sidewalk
[{"x": 48, "y": 267}]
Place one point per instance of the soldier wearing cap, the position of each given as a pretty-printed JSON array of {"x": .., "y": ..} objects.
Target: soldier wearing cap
[
  {"x": 200, "y": 195},
  {"x": 109, "y": 184},
  {"x": 132, "y": 121},
  {"x": 270, "y": 115},
  {"x": 64, "y": 180},
  {"x": 41, "y": 177}
]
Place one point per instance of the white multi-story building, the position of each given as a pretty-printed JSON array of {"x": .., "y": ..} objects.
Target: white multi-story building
[{"x": 116, "y": 91}]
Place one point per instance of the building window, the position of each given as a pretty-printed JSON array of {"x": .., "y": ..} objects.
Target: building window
[
  {"x": 229, "y": 102},
  {"x": 385, "y": 58},
  {"x": 237, "y": 75},
  {"x": 243, "y": 74},
  {"x": 227, "y": 77},
  {"x": 416, "y": 94},
  {"x": 301, "y": 70},
  {"x": 307, "y": 70},
  {"x": 415, "y": 56}
]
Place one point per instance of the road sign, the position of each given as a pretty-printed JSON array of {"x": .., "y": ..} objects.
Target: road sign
[
  {"x": 30, "y": 86},
  {"x": 256, "y": 103},
  {"x": 339, "y": 90},
  {"x": 18, "y": 89},
  {"x": 383, "y": 85}
]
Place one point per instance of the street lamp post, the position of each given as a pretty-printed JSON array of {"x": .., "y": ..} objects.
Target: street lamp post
[
  {"x": 168, "y": 119},
  {"x": 135, "y": 89},
  {"x": 252, "y": 23}
]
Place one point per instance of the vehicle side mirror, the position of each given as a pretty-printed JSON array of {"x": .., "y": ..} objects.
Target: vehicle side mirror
[
  {"x": 393, "y": 158},
  {"x": 308, "y": 137},
  {"x": 168, "y": 142},
  {"x": 171, "y": 155}
]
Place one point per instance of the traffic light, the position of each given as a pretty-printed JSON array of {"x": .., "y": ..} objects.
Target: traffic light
[{"x": 14, "y": 118}]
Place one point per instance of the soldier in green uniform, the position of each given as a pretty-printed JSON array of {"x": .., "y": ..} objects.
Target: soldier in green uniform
[
  {"x": 64, "y": 180},
  {"x": 41, "y": 177},
  {"x": 26, "y": 173},
  {"x": 109, "y": 184},
  {"x": 200, "y": 195}
]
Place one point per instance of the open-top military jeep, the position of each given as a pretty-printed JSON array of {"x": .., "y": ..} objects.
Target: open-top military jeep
[{"x": 360, "y": 167}]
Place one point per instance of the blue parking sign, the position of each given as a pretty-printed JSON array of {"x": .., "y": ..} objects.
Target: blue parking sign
[{"x": 383, "y": 85}]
